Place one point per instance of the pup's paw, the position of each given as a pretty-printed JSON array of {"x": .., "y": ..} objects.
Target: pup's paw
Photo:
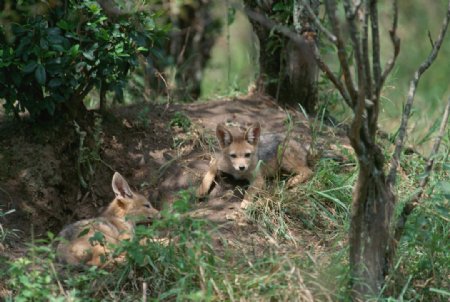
[{"x": 300, "y": 178}]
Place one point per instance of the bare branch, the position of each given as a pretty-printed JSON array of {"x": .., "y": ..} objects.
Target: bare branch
[
  {"x": 376, "y": 65},
  {"x": 375, "y": 46},
  {"x": 296, "y": 16},
  {"x": 365, "y": 50},
  {"x": 430, "y": 38},
  {"x": 395, "y": 42},
  {"x": 360, "y": 103},
  {"x": 436, "y": 145},
  {"x": 412, "y": 91},
  {"x": 319, "y": 24},
  {"x": 337, "y": 83},
  {"x": 415, "y": 200},
  {"x": 330, "y": 7}
]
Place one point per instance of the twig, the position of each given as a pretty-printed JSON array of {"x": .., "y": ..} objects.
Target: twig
[
  {"x": 395, "y": 42},
  {"x": 337, "y": 83},
  {"x": 144, "y": 291},
  {"x": 317, "y": 22},
  {"x": 365, "y": 49},
  {"x": 376, "y": 65},
  {"x": 436, "y": 145},
  {"x": 296, "y": 17},
  {"x": 412, "y": 91},
  {"x": 61, "y": 288},
  {"x": 415, "y": 200},
  {"x": 358, "y": 122},
  {"x": 330, "y": 7},
  {"x": 430, "y": 38}
]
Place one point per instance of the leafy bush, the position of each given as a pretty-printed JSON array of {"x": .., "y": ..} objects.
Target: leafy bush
[{"x": 55, "y": 59}]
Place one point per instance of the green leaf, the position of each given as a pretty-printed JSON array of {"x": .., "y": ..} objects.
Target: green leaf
[
  {"x": 30, "y": 67},
  {"x": 40, "y": 74},
  {"x": 89, "y": 55},
  {"x": 43, "y": 43},
  {"x": 83, "y": 232},
  {"x": 98, "y": 237},
  {"x": 231, "y": 15},
  {"x": 74, "y": 50},
  {"x": 55, "y": 83},
  {"x": 280, "y": 6},
  {"x": 119, "y": 48},
  {"x": 63, "y": 24}
]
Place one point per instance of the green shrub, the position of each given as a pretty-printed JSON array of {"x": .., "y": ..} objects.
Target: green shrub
[{"x": 54, "y": 60}]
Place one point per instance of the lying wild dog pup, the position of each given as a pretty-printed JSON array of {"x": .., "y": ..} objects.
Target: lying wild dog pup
[
  {"x": 242, "y": 150},
  {"x": 116, "y": 223}
]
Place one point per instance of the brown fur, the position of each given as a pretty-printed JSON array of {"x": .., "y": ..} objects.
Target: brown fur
[
  {"x": 242, "y": 149},
  {"x": 116, "y": 223}
]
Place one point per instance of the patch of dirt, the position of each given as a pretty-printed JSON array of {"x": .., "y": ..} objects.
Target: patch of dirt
[
  {"x": 40, "y": 168},
  {"x": 39, "y": 177}
]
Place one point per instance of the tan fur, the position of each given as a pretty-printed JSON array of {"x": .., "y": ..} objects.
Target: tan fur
[
  {"x": 116, "y": 223},
  {"x": 242, "y": 149}
]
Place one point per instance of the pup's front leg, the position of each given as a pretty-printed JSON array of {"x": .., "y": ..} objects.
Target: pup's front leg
[
  {"x": 208, "y": 179},
  {"x": 256, "y": 186}
]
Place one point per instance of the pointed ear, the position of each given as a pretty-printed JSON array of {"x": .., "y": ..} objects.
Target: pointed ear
[
  {"x": 252, "y": 134},
  {"x": 224, "y": 136},
  {"x": 121, "y": 187}
]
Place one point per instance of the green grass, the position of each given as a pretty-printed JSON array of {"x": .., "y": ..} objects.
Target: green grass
[{"x": 303, "y": 252}]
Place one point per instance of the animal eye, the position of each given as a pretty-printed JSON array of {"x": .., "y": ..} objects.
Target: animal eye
[
  {"x": 147, "y": 205},
  {"x": 247, "y": 154},
  {"x": 233, "y": 155}
]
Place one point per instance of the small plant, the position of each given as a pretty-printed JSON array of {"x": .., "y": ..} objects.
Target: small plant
[
  {"x": 143, "y": 119},
  {"x": 34, "y": 276},
  {"x": 89, "y": 157},
  {"x": 5, "y": 233},
  {"x": 179, "y": 119}
]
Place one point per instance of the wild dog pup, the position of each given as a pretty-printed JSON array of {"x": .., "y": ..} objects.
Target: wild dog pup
[
  {"x": 116, "y": 223},
  {"x": 241, "y": 151}
]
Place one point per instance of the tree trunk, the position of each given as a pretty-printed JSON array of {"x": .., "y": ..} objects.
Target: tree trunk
[
  {"x": 191, "y": 44},
  {"x": 372, "y": 208},
  {"x": 287, "y": 73},
  {"x": 300, "y": 83}
]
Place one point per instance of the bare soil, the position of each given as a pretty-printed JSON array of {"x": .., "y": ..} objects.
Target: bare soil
[{"x": 40, "y": 167}]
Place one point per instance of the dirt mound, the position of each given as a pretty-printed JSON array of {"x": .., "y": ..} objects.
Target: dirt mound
[
  {"x": 62, "y": 173},
  {"x": 56, "y": 174}
]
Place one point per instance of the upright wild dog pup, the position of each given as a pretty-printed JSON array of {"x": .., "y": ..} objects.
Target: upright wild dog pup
[
  {"x": 243, "y": 148},
  {"x": 116, "y": 223}
]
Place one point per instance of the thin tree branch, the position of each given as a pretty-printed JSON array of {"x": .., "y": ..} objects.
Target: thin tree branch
[
  {"x": 365, "y": 49},
  {"x": 375, "y": 45},
  {"x": 415, "y": 200},
  {"x": 376, "y": 65},
  {"x": 330, "y": 7},
  {"x": 296, "y": 16},
  {"x": 436, "y": 145},
  {"x": 412, "y": 91},
  {"x": 360, "y": 104},
  {"x": 396, "y": 44},
  {"x": 337, "y": 83},
  {"x": 319, "y": 24}
]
